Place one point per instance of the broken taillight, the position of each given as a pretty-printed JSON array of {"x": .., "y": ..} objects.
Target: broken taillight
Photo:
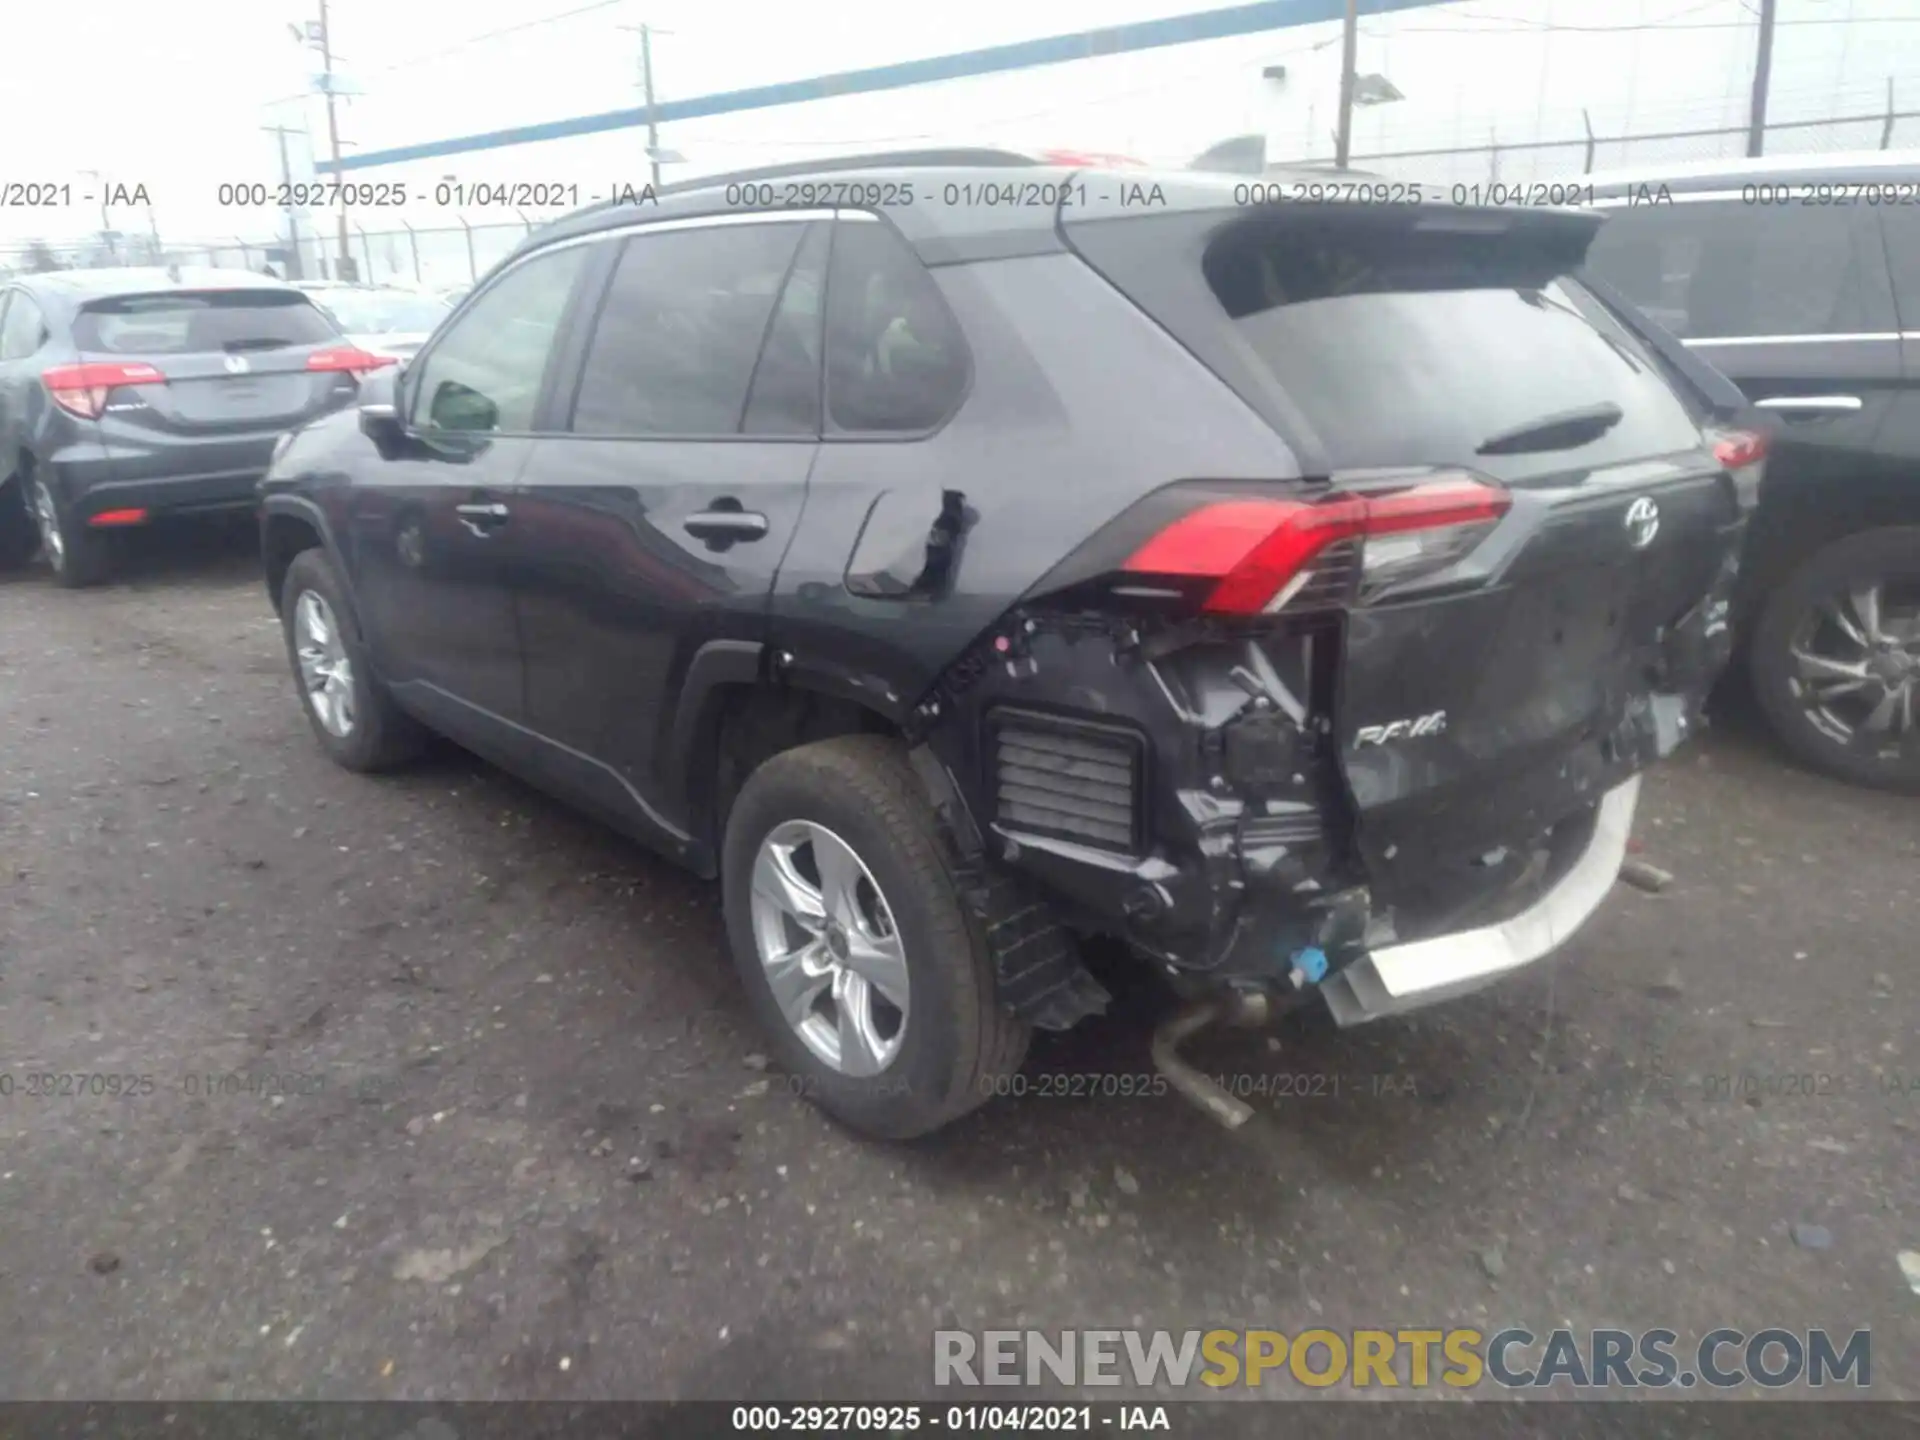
[
  {"x": 1264, "y": 553},
  {"x": 1743, "y": 455}
]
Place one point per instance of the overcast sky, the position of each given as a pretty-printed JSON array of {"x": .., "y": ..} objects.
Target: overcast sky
[{"x": 176, "y": 96}]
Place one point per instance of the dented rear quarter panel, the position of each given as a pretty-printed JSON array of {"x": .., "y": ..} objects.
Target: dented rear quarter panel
[{"x": 1080, "y": 404}]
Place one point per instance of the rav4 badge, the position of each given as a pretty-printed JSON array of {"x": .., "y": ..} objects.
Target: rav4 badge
[{"x": 1413, "y": 729}]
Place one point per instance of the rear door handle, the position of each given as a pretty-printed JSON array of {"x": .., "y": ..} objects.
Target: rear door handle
[
  {"x": 725, "y": 524},
  {"x": 1811, "y": 404},
  {"x": 482, "y": 517}
]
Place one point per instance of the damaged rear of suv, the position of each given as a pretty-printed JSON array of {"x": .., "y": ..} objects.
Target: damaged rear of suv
[
  {"x": 1348, "y": 683},
  {"x": 1293, "y": 592}
]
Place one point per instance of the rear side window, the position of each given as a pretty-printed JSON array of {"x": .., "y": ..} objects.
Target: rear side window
[
  {"x": 185, "y": 321},
  {"x": 1722, "y": 269},
  {"x": 896, "y": 362},
  {"x": 678, "y": 332},
  {"x": 22, "y": 331},
  {"x": 1409, "y": 348},
  {"x": 785, "y": 398}
]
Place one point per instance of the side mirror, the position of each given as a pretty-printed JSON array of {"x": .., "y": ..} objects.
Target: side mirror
[
  {"x": 380, "y": 423},
  {"x": 461, "y": 407}
]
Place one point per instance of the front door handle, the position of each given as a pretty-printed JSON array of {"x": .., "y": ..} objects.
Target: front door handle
[
  {"x": 482, "y": 518},
  {"x": 726, "y": 524},
  {"x": 1811, "y": 404}
]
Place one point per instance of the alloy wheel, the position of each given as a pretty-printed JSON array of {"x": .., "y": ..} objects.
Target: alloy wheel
[
  {"x": 325, "y": 668},
  {"x": 47, "y": 520},
  {"x": 1856, "y": 665},
  {"x": 831, "y": 950}
]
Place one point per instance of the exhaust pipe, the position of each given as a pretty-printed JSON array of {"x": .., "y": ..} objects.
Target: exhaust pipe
[{"x": 1213, "y": 1100}]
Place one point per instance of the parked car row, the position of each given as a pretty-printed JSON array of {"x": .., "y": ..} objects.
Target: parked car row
[{"x": 1292, "y": 593}]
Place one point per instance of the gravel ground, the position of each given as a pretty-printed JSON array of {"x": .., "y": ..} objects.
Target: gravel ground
[{"x": 518, "y": 1145}]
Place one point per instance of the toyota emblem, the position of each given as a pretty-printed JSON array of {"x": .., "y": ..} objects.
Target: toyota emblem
[
  {"x": 237, "y": 365},
  {"x": 1643, "y": 522}
]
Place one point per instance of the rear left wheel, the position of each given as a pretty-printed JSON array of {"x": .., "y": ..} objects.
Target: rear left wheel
[
  {"x": 19, "y": 537},
  {"x": 77, "y": 556},
  {"x": 1836, "y": 659},
  {"x": 863, "y": 964}
]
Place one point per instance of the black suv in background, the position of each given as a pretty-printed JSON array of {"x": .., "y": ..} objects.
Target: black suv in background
[
  {"x": 1799, "y": 279},
  {"x": 130, "y": 394},
  {"x": 960, "y": 556}
]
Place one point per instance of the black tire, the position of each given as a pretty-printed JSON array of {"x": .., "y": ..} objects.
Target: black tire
[
  {"x": 19, "y": 540},
  {"x": 382, "y": 735},
  {"x": 83, "y": 557},
  {"x": 1893, "y": 557},
  {"x": 960, "y": 1045}
]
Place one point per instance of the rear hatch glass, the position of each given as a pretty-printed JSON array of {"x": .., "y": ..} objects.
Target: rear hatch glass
[
  {"x": 179, "y": 322},
  {"x": 235, "y": 361},
  {"x": 1408, "y": 347}
]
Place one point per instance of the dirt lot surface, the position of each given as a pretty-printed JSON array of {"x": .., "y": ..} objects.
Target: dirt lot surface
[{"x": 445, "y": 1092}]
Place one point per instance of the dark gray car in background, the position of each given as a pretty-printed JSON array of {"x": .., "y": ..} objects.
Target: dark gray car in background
[
  {"x": 129, "y": 394},
  {"x": 1799, "y": 279}
]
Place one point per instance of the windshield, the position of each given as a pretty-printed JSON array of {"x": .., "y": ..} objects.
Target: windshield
[{"x": 375, "y": 312}]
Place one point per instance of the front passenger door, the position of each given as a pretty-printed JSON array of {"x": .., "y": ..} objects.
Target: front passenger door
[{"x": 430, "y": 523}]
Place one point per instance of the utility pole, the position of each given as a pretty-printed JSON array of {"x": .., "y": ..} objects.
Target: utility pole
[
  {"x": 646, "y": 86},
  {"x": 280, "y": 133},
  {"x": 1349, "y": 57},
  {"x": 645, "y": 32},
  {"x": 345, "y": 260},
  {"x": 1762, "y": 74}
]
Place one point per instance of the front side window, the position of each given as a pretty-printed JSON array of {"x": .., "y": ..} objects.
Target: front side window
[
  {"x": 21, "y": 329},
  {"x": 682, "y": 324},
  {"x": 896, "y": 362},
  {"x": 1721, "y": 269},
  {"x": 486, "y": 371}
]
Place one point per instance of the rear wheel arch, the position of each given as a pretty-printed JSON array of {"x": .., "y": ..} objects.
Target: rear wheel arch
[
  {"x": 1799, "y": 524},
  {"x": 736, "y": 725}
]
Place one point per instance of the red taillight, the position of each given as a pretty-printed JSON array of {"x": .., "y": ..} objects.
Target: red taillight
[
  {"x": 1743, "y": 455},
  {"x": 82, "y": 389},
  {"x": 107, "y": 518},
  {"x": 1737, "y": 449},
  {"x": 350, "y": 358},
  {"x": 1261, "y": 551}
]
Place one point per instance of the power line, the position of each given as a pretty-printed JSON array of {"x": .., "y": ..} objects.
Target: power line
[{"x": 485, "y": 36}]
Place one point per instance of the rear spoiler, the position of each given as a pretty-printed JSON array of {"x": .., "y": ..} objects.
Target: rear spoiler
[{"x": 1723, "y": 399}]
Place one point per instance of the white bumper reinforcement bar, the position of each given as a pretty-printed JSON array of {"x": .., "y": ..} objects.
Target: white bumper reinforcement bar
[{"x": 1398, "y": 978}]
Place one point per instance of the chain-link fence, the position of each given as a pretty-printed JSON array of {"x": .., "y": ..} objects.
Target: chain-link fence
[
  {"x": 1524, "y": 161},
  {"x": 451, "y": 256}
]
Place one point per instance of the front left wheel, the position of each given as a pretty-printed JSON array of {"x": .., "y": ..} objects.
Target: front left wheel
[
  {"x": 353, "y": 717},
  {"x": 862, "y": 962}
]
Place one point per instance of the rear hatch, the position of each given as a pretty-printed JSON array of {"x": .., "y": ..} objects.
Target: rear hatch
[
  {"x": 214, "y": 365},
  {"x": 1546, "y": 508}
]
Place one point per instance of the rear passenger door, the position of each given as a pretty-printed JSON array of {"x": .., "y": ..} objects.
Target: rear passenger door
[
  {"x": 655, "y": 524},
  {"x": 1793, "y": 303}
]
